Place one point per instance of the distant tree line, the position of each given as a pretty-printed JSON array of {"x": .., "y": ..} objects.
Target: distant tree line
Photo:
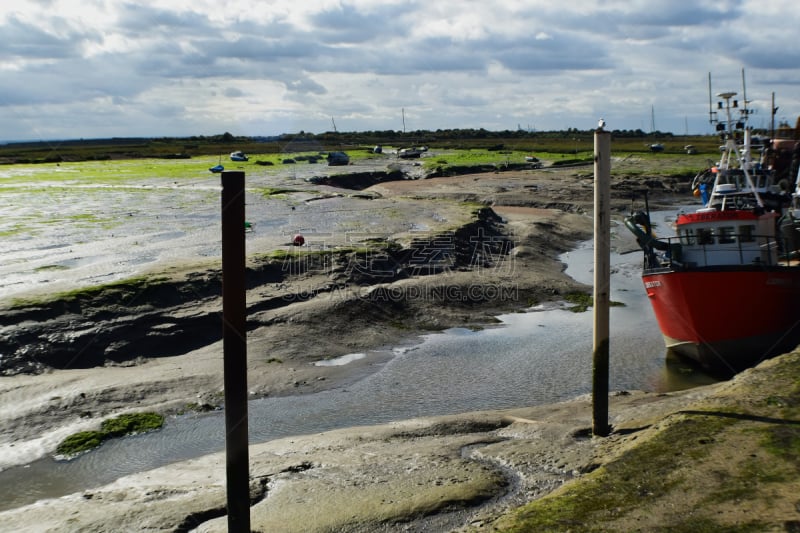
[
  {"x": 570, "y": 140},
  {"x": 421, "y": 136}
]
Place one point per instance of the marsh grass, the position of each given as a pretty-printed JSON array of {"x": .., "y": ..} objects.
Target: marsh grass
[
  {"x": 117, "y": 172},
  {"x": 120, "y": 426},
  {"x": 128, "y": 424},
  {"x": 628, "y": 163},
  {"x": 120, "y": 172},
  {"x": 113, "y": 172},
  {"x": 474, "y": 157},
  {"x": 80, "y": 442},
  {"x": 295, "y": 253},
  {"x": 121, "y": 290}
]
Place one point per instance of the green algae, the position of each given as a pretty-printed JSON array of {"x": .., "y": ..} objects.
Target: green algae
[
  {"x": 623, "y": 485},
  {"x": 121, "y": 290},
  {"x": 120, "y": 426},
  {"x": 581, "y": 302}
]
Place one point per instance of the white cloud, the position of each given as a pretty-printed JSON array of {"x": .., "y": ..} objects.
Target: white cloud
[{"x": 104, "y": 67}]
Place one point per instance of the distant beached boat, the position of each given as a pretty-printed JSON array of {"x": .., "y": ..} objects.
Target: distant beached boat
[
  {"x": 238, "y": 156},
  {"x": 338, "y": 158},
  {"x": 411, "y": 153},
  {"x": 218, "y": 168}
]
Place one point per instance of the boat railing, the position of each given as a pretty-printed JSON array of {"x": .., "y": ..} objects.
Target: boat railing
[{"x": 745, "y": 250}]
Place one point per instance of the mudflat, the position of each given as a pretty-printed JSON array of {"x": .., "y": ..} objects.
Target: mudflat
[{"x": 474, "y": 471}]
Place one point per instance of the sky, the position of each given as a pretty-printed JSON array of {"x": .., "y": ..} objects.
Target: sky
[{"x": 76, "y": 69}]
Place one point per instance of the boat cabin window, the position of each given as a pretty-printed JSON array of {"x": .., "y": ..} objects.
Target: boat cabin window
[
  {"x": 726, "y": 235},
  {"x": 705, "y": 236},
  {"x": 687, "y": 236},
  {"x": 746, "y": 233}
]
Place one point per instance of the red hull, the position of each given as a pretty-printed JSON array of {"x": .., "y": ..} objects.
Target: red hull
[{"x": 727, "y": 319}]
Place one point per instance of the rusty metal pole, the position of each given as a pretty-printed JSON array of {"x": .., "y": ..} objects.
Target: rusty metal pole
[
  {"x": 234, "y": 345},
  {"x": 602, "y": 282}
]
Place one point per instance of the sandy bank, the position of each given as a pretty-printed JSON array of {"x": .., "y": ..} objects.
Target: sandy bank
[
  {"x": 361, "y": 479},
  {"x": 471, "y": 472}
]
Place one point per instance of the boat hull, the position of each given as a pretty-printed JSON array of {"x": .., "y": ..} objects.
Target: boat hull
[{"x": 727, "y": 319}]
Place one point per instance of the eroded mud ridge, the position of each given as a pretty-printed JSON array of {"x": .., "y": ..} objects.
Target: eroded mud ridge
[{"x": 168, "y": 315}]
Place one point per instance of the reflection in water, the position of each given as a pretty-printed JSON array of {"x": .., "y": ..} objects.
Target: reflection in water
[{"x": 680, "y": 373}]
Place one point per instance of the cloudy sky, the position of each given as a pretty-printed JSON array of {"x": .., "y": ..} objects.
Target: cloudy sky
[{"x": 101, "y": 68}]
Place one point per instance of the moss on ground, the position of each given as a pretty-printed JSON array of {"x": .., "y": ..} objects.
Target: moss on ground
[
  {"x": 80, "y": 442},
  {"x": 582, "y": 301},
  {"x": 122, "y": 289},
  {"x": 127, "y": 424},
  {"x": 621, "y": 486},
  {"x": 730, "y": 464}
]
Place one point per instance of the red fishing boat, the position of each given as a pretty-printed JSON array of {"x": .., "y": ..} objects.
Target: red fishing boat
[{"x": 726, "y": 289}]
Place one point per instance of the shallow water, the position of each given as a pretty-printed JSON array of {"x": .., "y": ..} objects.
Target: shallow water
[
  {"x": 532, "y": 358},
  {"x": 66, "y": 228}
]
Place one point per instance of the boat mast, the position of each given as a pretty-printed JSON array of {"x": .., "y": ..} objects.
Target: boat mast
[
  {"x": 652, "y": 118},
  {"x": 712, "y": 115},
  {"x": 731, "y": 150},
  {"x": 745, "y": 111}
]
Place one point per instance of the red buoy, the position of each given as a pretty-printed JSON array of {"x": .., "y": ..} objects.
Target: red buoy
[{"x": 298, "y": 240}]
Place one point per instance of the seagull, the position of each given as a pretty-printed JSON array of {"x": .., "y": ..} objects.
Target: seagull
[{"x": 601, "y": 124}]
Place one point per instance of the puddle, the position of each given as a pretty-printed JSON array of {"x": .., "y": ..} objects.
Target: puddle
[{"x": 341, "y": 361}]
